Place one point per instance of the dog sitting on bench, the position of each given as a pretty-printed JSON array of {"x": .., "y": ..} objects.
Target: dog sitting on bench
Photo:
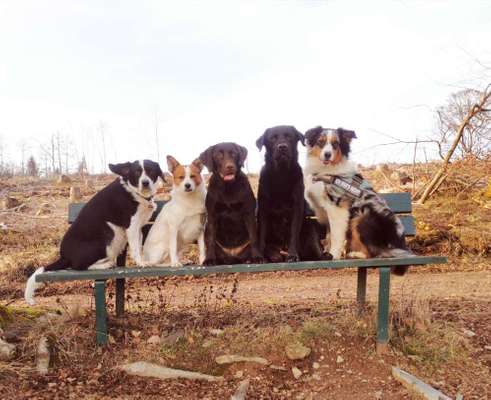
[
  {"x": 230, "y": 230},
  {"x": 110, "y": 220}
]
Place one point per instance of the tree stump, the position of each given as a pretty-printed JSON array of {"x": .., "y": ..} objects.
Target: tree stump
[
  {"x": 75, "y": 194},
  {"x": 8, "y": 202}
]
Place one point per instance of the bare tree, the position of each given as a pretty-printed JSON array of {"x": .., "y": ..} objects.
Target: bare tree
[
  {"x": 23, "y": 147},
  {"x": 475, "y": 139},
  {"x": 32, "y": 167},
  {"x": 474, "y": 112}
]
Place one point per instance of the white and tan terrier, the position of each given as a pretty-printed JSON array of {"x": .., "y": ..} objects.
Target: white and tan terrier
[{"x": 181, "y": 221}]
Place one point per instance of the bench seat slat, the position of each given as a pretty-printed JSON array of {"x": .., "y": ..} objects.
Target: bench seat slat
[
  {"x": 409, "y": 225},
  {"x": 118, "y": 273}
]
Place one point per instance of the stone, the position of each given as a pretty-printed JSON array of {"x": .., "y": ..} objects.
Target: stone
[
  {"x": 241, "y": 392},
  {"x": 297, "y": 351},
  {"x": 316, "y": 365},
  {"x": 7, "y": 350},
  {"x": 173, "y": 337},
  {"x": 340, "y": 360},
  {"x": 75, "y": 194},
  {"x": 149, "y": 370},
  {"x": 239, "y": 374},
  {"x": 378, "y": 395},
  {"x": 468, "y": 332},
  {"x": 230, "y": 359},
  {"x": 277, "y": 367},
  {"x": 154, "y": 340},
  {"x": 207, "y": 344},
  {"x": 296, "y": 372},
  {"x": 487, "y": 348},
  {"x": 338, "y": 334}
]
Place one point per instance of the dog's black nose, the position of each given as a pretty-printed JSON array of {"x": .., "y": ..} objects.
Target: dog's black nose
[
  {"x": 187, "y": 185},
  {"x": 145, "y": 183},
  {"x": 327, "y": 155},
  {"x": 283, "y": 147}
]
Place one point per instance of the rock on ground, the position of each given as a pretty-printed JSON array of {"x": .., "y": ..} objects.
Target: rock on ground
[
  {"x": 229, "y": 359},
  {"x": 7, "y": 350},
  {"x": 149, "y": 370},
  {"x": 297, "y": 351}
]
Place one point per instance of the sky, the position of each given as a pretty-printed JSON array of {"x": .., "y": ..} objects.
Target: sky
[{"x": 199, "y": 73}]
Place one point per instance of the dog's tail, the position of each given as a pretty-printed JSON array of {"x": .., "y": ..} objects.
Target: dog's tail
[
  {"x": 32, "y": 285},
  {"x": 397, "y": 253}
]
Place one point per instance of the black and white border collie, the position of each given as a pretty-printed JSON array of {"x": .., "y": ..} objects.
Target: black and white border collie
[
  {"x": 112, "y": 219},
  {"x": 365, "y": 223}
]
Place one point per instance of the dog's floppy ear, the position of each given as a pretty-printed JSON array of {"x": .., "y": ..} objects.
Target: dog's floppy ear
[
  {"x": 300, "y": 137},
  {"x": 207, "y": 158},
  {"x": 242, "y": 155},
  {"x": 346, "y": 134},
  {"x": 172, "y": 164},
  {"x": 121, "y": 169},
  {"x": 198, "y": 164},
  {"x": 260, "y": 140},
  {"x": 313, "y": 134}
]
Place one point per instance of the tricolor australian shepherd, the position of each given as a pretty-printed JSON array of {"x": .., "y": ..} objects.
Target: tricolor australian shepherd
[
  {"x": 182, "y": 220},
  {"x": 365, "y": 222},
  {"x": 113, "y": 218}
]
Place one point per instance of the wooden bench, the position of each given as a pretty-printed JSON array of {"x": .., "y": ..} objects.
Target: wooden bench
[{"x": 400, "y": 203}]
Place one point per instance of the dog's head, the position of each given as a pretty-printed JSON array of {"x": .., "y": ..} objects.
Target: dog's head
[
  {"x": 281, "y": 145},
  {"x": 331, "y": 146},
  {"x": 186, "y": 177},
  {"x": 139, "y": 176},
  {"x": 224, "y": 159}
]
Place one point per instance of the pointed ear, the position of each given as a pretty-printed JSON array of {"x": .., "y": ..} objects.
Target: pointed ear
[
  {"x": 300, "y": 137},
  {"x": 313, "y": 134},
  {"x": 207, "y": 158},
  {"x": 346, "y": 134},
  {"x": 121, "y": 169},
  {"x": 260, "y": 140},
  {"x": 172, "y": 163},
  {"x": 242, "y": 155},
  {"x": 198, "y": 164}
]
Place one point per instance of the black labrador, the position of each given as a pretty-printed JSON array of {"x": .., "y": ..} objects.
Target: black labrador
[
  {"x": 285, "y": 232},
  {"x": 230, "y": 231}
]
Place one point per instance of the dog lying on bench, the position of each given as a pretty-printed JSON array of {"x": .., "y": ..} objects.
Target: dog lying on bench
[{"x": 110, "y": 220}]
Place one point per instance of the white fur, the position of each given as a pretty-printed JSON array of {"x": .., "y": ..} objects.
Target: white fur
[
  {"x": 178, "y": 224},
  {"x": 318, "y": 200},
  {"x": 31, "y": 287}
]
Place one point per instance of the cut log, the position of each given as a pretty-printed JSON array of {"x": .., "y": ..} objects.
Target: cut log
[
  {"x": 148, "y": 370},
  {"x": 417, "y": 386}
]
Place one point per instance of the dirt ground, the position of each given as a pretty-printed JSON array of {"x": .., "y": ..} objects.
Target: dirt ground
[{"x": 440, "y": 317}]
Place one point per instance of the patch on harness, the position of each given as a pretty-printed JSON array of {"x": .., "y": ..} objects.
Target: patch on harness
[{"x": 350, "y": 186}]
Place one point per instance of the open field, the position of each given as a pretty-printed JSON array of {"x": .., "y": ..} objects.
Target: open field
[{"x": 441, "y": 315}]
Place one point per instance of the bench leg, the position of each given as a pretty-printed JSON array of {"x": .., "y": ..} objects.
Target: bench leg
[
  {"x": 383, "y": 310},
  {"x": 100, "y": 312},
  {"x": 361, "y": 290},
  {"x": 120, "y": 297}
]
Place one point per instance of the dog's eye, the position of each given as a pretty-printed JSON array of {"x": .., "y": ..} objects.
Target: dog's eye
[
  {"x": 193, "y": 176},
  {"x": 274, "y": 138},
  {"x": 181, "y": 177},
  {"x": 335, "y": 145}
]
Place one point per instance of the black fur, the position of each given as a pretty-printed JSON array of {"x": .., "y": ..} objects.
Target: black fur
[
  {"x": 283, "y": 226},
  {"x": 230, "y": 207},
  {"x": 86, "y": 239}
]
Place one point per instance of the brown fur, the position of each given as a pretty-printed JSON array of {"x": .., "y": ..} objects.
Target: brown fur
[{"x": 354, "y": 240}]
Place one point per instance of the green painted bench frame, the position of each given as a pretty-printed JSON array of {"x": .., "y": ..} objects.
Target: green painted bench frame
[{"x": 400, "y": 203}]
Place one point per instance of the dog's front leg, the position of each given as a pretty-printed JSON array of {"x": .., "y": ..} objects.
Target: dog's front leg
[
  {"x": 202, "y": 248},
  {"x": 297, "y": 219},
  {"x": 174, "y": 257},
  {"x": 250, "y": 221},
  {"x": 135, "y": 244},
  {"x": 338, "y": 223}
]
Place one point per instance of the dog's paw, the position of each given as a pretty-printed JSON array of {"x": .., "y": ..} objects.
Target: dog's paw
[
  {"x": 326, "y": 256},
  {"x": 209, "y": 262},
  {"x": 292, "y": 258},
  {"x": 176, "y": 264}
]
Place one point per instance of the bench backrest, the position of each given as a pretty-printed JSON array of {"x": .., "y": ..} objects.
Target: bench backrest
[{"x": 399, "y": 203}]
